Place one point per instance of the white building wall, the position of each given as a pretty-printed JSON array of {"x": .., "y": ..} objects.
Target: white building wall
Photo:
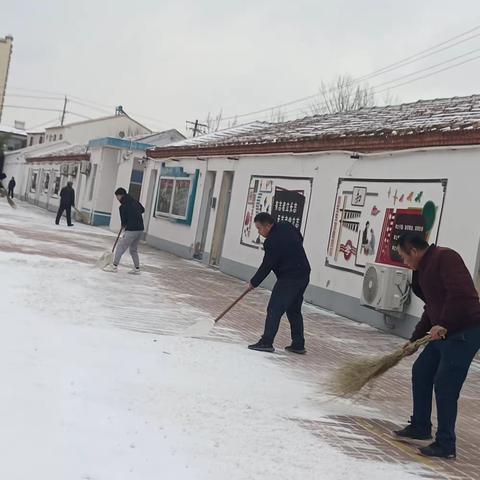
[
  {"x": 83, "y": 132},
  {"x": 333, "y": 288}
]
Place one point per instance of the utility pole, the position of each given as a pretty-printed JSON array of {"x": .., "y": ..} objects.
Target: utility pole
[
  {"x": 64, "y": 110},
  {"x": 197, "y": 128}
]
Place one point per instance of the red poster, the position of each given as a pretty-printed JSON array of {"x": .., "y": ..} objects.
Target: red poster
[{"x": 395, "y": 223}]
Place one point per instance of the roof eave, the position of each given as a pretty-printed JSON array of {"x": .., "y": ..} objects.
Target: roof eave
[
  {"x": 59, "y": 158},
  {"x": 360, "y": 144}
]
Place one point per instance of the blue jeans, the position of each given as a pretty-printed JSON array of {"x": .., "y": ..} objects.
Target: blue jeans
[
  {"x": 287, "y": 297},
  {"x": 442, "y": 367}
]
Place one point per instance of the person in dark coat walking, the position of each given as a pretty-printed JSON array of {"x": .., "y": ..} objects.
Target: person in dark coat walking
[
  {"x": 444, "y": 283},
  {"x": 67, "y": 201},
  {"x": 11, "y": 187},
  {"x": 131, "y": 213},
  {"x": 285, "y": 256}
]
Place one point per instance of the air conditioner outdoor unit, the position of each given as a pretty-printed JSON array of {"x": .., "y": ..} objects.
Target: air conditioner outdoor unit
[
  {"x": 385, "y": 287},
  {"x": 64, "y": 169},
  {"x": 72, "y": 170},
  {"x": 85, "y": 167}
]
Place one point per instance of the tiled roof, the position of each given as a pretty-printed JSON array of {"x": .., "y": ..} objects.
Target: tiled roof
[
  {"x": 364, "y": 127},
  {"x": 222, "y": 136},
  {"x": 69, "y": 151},
  {"x": 446, "y": 114}
]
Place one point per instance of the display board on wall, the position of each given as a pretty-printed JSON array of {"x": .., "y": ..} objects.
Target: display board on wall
[
  {"x": 285, "y": 198},
  {"x": 370, "y": 214}
]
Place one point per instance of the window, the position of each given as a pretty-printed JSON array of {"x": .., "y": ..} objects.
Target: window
[
  {"x": 56, "y": 185},
  {"x": 41, "y": 139},
  {"x": 46, "y": 182},
  {"x": 31, "y": 141},
  {"x": 135, "y": 188},
  {"x": 173, "y": 197},
  {"x": 60, "y": 137},
  {"x": 55, "y": 137},
  {"x": 33, "y": 182}
]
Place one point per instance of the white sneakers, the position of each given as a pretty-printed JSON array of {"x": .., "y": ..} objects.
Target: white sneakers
[
  {"x": 110, "y": 268},
  {"x": 114, "y": 269}
]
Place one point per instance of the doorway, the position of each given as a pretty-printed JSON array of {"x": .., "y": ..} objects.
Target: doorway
[
  {"x": 221, "y": 219},
  {"x": 205, "y": 209},
  {"x": 150, "y": 200}
]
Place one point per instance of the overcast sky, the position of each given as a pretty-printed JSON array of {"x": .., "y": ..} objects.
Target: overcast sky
[{"x": 178, "y": 60}]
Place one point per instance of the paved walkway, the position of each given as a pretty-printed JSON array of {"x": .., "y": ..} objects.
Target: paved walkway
[{"x": 330, "y": 339}]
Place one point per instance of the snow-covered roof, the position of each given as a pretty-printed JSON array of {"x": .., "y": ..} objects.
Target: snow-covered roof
[
  {"x": 458, "y": 113},
  {"x": 12, "y": 130},
  {"x": 223, "y": 135},
  {"x": 39, "y": 147},
  {"x": 437, "y": 116},
  {"x": 70, "y": 150},
  {"x": 99, "y": 119},
  {"x": 159, "y": 138}
]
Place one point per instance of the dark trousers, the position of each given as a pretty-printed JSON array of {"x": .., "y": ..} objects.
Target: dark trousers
[
  {"x": 64, "y": 208},
  {"x": 442, "y": 367},
  {"x": 287, "y": 297},
  {"x": 10, "y": 192}
]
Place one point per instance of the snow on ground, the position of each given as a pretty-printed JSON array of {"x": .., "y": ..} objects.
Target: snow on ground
[{"x": 84, "y": 399}]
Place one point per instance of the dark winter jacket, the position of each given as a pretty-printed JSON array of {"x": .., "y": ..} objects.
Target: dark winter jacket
[
  {"x": 444, "y": 283},
  {"x": 131, "y": 214},
  {"x": 11, "y": 184},
  {"x": 67, "y": 196},
  {"x": 284, "y": 255}
]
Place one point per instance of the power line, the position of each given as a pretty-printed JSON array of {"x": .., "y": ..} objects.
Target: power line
[
  {"x": 32, "y": 108},
  {"x": 398, "y": 64},
  {"x": 376, "y": 92},
  {"x": 39, "y": 97}
]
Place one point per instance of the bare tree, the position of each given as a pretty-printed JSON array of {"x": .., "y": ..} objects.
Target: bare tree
[
  {"x": 390, "y": 98},
  {"x": 277, "y": 116},
  {"x": 217, "y": 122},
  {"x": 213, "y": 122},
  {"x": 342, "y": 95}
]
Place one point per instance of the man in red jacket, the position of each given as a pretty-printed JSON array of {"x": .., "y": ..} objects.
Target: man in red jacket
[{"x": 443, "y": 281}]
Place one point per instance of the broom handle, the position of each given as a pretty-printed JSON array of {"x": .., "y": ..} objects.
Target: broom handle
[
  {"x": 424, "y": 340},
  {"x": 116, "y": 241},
  {"x": 231, "y": 305}
]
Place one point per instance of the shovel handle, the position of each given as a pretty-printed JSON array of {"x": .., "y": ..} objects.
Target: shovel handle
[
  {"x": 231, "y": 305},
  {"x": 116, "y": 241}
]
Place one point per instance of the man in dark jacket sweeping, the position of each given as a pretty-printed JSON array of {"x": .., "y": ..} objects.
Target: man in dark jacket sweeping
[
  {"x": 443, "y": 281},
  {"x": 285, "y": 256},
  {"x": 131, "y": 213},
  {"x": 67, "y": 201}
]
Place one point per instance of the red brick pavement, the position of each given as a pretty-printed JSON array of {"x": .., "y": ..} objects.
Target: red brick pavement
[{"x": 330, "y": 339}]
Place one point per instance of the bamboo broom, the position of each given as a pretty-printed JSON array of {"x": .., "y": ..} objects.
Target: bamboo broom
[{"x": 354, "y": 374}]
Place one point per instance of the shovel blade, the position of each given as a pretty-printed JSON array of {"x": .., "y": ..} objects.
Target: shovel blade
[
  {"x": 199, "y": 329},
  {"x": 105, "y": 259}
]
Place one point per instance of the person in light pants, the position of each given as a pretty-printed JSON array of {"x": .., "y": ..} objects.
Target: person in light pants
[{"x": 131, "y": 213}]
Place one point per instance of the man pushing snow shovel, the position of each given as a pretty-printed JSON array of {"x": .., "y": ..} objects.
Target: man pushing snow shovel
[
  {"x": 131, "y": 213},
  {"x": 285, "y": 256}
]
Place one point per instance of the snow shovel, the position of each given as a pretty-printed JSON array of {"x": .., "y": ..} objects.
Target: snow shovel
[
  {"x": 107, "y": 257},
  {"x": 84, "y": 218},
  {"x": 203, "y": 326},
  {"x": 3, "y": 193}
]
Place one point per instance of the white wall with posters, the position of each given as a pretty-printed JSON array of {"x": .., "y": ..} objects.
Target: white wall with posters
[
  {"x": 369, "y": 215},
  {"x": 285, "y": 198},
  {"x": 382, "y": 180}
]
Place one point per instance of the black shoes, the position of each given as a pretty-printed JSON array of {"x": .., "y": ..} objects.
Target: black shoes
[
  {"x": 413, "y": 432},
  {"x": 261, "y": 346},
  {"x": 292, "y": 349},
  {"x": 436, "y": 450}
]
